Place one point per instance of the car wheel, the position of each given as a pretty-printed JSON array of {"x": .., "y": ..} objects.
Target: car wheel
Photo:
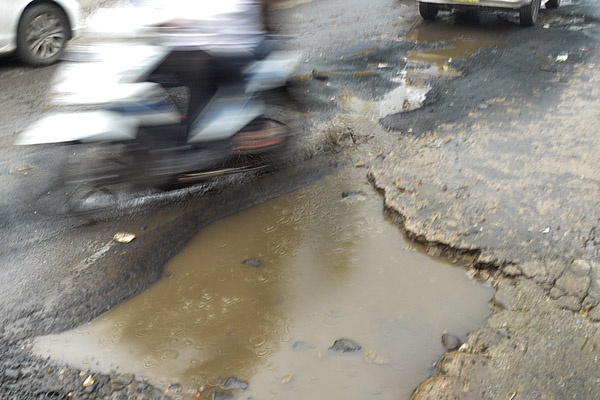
[
  {"x": 528, "y": 14},
  {"x": 42, "y": 35},
  {"x": 551, "y": 4},
  {"x": 428, "y": 10}
]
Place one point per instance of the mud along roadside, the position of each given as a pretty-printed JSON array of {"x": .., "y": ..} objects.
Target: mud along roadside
[{"x": 509, "y": 184}]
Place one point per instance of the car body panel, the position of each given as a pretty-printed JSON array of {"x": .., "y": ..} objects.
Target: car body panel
[
  {"x": 499, "y": 4},
  {"x": 12, "y": 10}
]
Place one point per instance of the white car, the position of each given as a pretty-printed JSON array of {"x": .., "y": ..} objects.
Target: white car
[
  {"x": 38, "y": 31},
  {"x": 528, "y": 9}
]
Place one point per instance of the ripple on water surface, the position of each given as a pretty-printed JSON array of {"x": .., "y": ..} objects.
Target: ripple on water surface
[{"x": 262, "y": 296}]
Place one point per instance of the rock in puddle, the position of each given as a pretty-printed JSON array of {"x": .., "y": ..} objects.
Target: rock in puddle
[
  {"x": 300, "y": 345},
  {"x": 451, "y": 342},
  {"x": 175, "y": 388},
  {"x": 234, "y": 383},
  {"x": 253, "y": 262},
  {"x": 351, "y": 193},
  {"x": 345, "y": 345}
]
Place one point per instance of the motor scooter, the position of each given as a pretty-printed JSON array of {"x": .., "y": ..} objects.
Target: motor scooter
[{"x": 111, "y": 100}]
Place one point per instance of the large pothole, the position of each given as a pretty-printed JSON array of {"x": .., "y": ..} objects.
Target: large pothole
[{"x": 263, "y": 295}]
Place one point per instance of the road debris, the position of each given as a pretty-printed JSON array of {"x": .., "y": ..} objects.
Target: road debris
[
  {"x": 345, "y": 346},
  {"x": 234, "y": 383},
  {"x": 451, "y": 342},
  {"x": 252, "y": 262},
  {"x": 318, "y": 75},
  {"x": 123, "y": 237},
  {"x": 89, "y": 381}
]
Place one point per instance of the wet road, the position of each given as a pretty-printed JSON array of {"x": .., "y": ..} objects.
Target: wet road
[
  {"x": 261, "y": 295},
  {"x": 59, "y": 272}
]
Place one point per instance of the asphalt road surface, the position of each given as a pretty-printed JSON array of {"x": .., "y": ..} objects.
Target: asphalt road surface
[{"x": 497, "y": 169}]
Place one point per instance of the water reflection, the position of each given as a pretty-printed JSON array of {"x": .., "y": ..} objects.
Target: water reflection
[
  {"x": 462, "y": 42},
  {"x": 263, "y": 294}
]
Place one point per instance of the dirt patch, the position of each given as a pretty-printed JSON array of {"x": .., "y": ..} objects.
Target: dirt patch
[{"x": 507, "y": 183}]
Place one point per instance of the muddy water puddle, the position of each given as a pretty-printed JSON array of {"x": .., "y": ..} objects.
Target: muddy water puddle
[
  {"x": 451, "y": 42},
  {"x": 262, "y": 296},
  {"x": 459, "y": 41}
]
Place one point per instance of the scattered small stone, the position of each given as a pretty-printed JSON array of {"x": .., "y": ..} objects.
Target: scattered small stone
[
  {"x": 253, "y": 262},
  {"x": 451, "y": 342},
  {"x": 300, "y": 345},
  {"x": 89, "y": 381},
  {"x": 123, "y": 237},
  {"x": 140, "y": 386},
  {"x": 345, "y": 345},
  {"x": 12, "y": 373},
  {"x": 348, "y": 193},
  {"x": 175, "y": 388},
  {"x": 286, "y": 379},
  {"x": 319, "y": 75},
  {"x": 234, "y": 383}
]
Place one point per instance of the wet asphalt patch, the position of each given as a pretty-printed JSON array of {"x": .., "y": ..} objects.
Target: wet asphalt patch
[{"x": 534, "y": 52}]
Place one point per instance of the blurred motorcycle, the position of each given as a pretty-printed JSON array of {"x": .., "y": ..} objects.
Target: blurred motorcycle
[{"x": 113, "y": 101}]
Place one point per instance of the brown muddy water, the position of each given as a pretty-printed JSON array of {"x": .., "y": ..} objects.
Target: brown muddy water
[
  {"x": 263, "y": 294},
  {"x": 456, "y": 42},
  {"x": 461, "y": 41}
]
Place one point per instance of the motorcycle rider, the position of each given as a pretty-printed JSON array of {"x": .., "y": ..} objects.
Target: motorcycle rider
[{"x": 208, "y": 39}]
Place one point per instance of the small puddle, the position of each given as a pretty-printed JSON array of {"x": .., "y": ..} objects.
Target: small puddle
[
  {"x": 262, "y": 295},
  {"x": 423, "y": 65},
  {"x": 462, "y": 42}
]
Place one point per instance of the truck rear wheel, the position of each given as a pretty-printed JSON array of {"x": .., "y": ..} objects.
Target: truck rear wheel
[
  {"x": 428, "y": 10},
  {"x": 528, "y": 14}
]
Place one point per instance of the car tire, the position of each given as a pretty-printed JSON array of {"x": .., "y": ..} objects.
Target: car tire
[
  {"x": 428, "y": 10},
  {"x": 552, "y": 4},
  {"x": 42, "y": 35},
  {"x": 528, "y": 14}
]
